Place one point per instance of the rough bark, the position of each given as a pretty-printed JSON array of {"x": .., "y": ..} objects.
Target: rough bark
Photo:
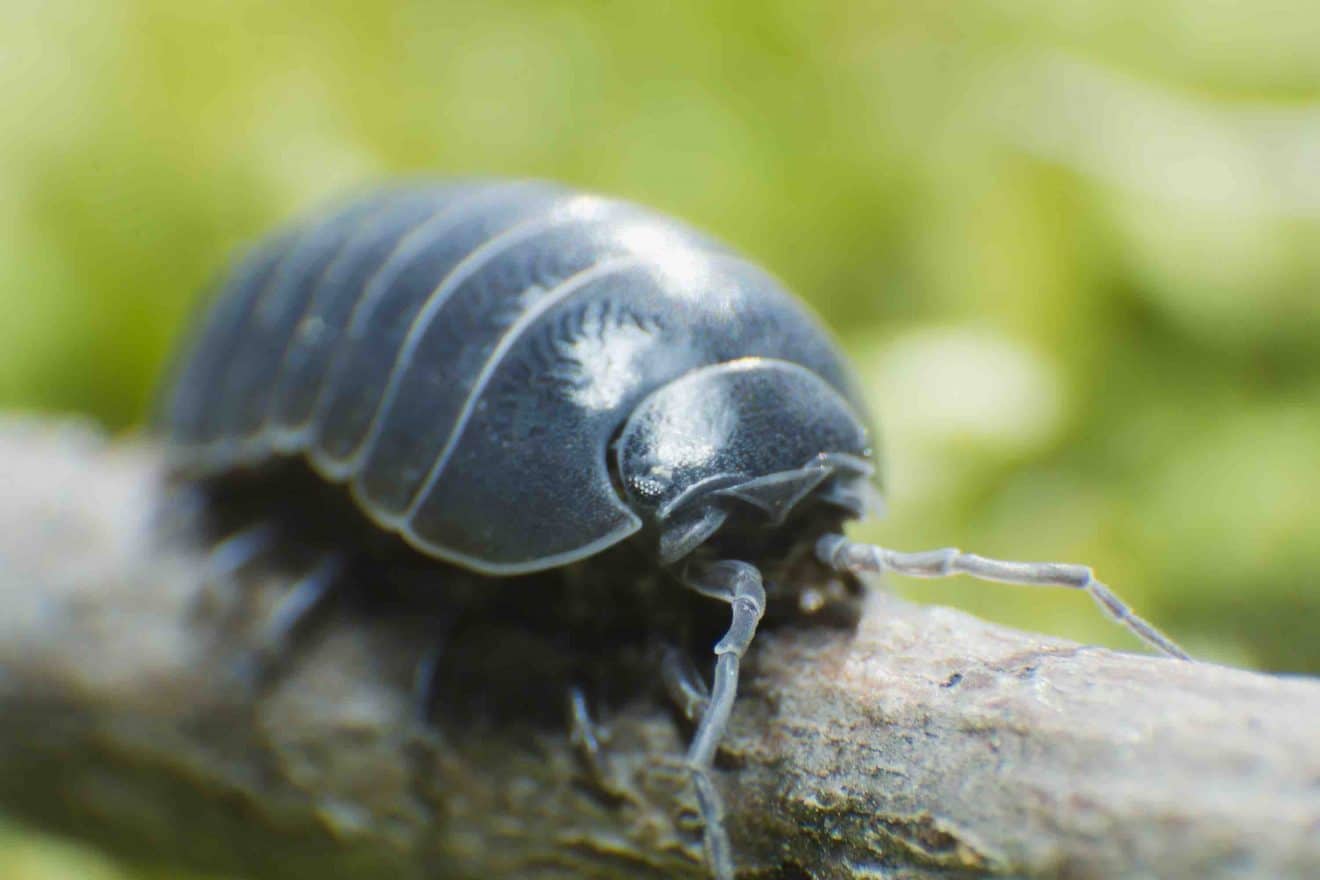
[{"x": 923, "y": 744}]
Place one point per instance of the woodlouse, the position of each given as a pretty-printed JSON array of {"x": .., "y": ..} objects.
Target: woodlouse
[{"x": 515, "y": 376}]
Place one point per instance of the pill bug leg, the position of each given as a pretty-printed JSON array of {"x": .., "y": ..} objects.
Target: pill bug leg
[
  {"x": 684, "y": 684},
  {"x": 740, "y": 585},
  {"x": 585, "y": 736},
  {"x": 842, "y": 554},
  {"x": 427, "y": 676},
  {"x": 229, "y": 557},
  {"x": 237, "y": 551},
  {"x": 305, "y": 602},
  {"x": 182, "y": 508}
]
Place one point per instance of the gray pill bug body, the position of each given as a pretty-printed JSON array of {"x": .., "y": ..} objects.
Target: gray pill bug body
[{"x": 514, "y": 376}]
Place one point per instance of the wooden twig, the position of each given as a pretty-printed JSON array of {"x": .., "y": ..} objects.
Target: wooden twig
[{"x": 924, "y": 744}]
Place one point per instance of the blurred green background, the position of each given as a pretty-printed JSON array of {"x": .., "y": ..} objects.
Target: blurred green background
[{"x": 1073, "y": 246}]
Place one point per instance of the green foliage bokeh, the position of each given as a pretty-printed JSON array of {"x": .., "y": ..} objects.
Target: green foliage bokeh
[{"x": 1073, "y": 247}]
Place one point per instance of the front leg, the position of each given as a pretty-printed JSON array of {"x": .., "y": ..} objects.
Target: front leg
[{"x": 740, "y": 585}]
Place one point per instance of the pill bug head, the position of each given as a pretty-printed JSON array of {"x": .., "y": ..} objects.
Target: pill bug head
[{"x": 738, "y": 448}]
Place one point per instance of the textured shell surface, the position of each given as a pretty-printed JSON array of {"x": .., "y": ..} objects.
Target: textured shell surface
[{"x": 462, "y": 355}]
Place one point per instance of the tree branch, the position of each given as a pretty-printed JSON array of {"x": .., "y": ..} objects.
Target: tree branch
[{"x": 924, "y": 744}]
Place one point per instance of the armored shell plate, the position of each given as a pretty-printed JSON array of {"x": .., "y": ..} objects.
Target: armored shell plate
[{"x": 461, "y": 356}]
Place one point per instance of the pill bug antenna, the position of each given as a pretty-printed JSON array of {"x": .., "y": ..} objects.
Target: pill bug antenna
[
  {"x": 740, "y": 585},
  {"x": 841, "y": 554}
]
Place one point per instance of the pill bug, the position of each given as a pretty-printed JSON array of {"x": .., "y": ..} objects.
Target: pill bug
[{"x": 514, "y": 376}]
